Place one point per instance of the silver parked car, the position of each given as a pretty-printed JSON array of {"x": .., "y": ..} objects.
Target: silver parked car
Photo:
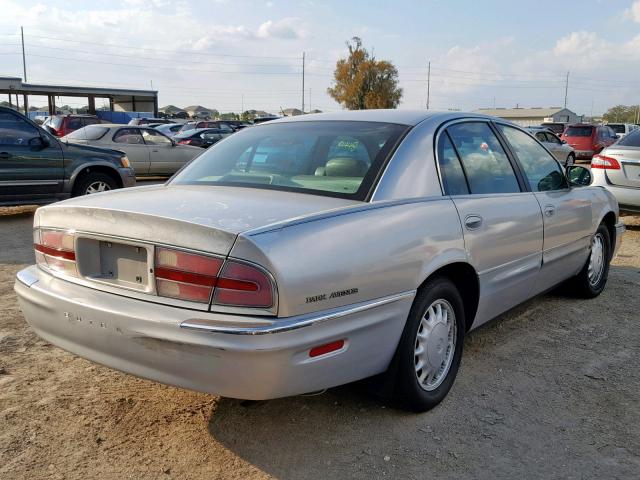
[
  {"x": 149, "y": 151},
  {"x": 563, "y": 152},
  {"x": 617, "y": 168},
  {"x": 317, "y": 250}
]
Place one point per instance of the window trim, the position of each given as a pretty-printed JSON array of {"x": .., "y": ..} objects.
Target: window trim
[{"x": 517, "y": 160}]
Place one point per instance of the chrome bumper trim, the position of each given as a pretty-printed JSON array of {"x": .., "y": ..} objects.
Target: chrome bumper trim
[{"x": 294, "y": 322}]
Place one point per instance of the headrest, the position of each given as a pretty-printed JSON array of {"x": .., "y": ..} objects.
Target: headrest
[{"x": 345, "y": 167}]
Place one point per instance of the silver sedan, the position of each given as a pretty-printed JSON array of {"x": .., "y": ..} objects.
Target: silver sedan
[
  {"x": 617, "y": 168},
  {"x": 149, "y": 151},
  {"x": 560, "y": 149},
  {"x": 314, "y": 251}
]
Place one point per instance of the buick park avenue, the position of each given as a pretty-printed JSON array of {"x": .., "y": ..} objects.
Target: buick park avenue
[{"x": 314, "y": 251}]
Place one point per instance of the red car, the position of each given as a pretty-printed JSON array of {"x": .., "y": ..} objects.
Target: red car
[
  {"x": 61, "y": 125},
  {"x": 588, "y": 140}
]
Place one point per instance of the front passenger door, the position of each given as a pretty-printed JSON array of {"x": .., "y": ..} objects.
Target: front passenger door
[
  {"x": 31, "y": 162},
  {"x": 566, "y": 211}
]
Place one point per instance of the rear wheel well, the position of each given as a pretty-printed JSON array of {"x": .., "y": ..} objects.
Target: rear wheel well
[
  {"x": 610, "y": 221},
  {"x": 91, "y": 169},
  {"x": 465, "y": 278}
]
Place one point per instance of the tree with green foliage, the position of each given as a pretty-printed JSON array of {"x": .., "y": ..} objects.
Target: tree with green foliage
[
  {"x": 361, "y": 82},
  {"x": 623, "y": 114}
]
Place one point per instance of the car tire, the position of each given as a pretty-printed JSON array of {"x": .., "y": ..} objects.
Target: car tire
[
  {"x": 433, "y": 336},
  {"x": 592, "y": 279},
  {"x": 571, "y": 160},
  {"x": 95, "y": 182}
]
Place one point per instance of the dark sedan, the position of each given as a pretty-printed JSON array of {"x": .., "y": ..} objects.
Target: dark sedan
[{"x": 202, "y": 137}]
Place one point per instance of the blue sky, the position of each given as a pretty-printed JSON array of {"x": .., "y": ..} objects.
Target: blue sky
[{"x": 229, "y": 53}]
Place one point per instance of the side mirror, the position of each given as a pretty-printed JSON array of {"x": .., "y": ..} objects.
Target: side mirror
[
  {"x": 578, "y": 176},
  {"x": 564, "y": 142},
  {"x": 173, "y": 142},
  {"x": 38, "y": 143}
]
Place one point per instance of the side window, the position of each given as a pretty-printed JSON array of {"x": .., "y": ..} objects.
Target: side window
[
  {"x": 128, "y": 135},
  {"x": 15, "y": 130},
  {"x": 74, "y": 123},
  {"x": 542, "y": 170},
  {"x": 453, "y": 178},
  {"x": 152, "y": 137},
  {"x": 551, "y": 138},
  {"x": 485, "y": 162}
]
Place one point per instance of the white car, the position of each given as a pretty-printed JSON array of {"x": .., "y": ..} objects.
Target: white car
[
  {"x": 617, "y": 168},
  {"x": 622, "y": 129},
  {"x": 149, "y": 151}
]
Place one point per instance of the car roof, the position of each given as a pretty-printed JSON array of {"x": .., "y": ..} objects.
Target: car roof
[{"x": 403, "y": 117}]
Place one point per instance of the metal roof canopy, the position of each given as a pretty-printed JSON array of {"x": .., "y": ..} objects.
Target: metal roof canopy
[{"x": 15, "y": 85}]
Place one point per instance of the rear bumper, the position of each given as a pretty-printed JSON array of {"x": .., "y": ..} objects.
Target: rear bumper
[
  {"x": 584, "y": 154},
  {"x": 146, "y": 339}
]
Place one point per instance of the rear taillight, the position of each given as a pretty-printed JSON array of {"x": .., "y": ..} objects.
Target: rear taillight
[
  {"x": 184, "y": 142},
  {"x": 604, "y": 162},
  {"x": 55, "y": 250},
  {"x": 243, "y": 285},
  {"x": 199, "y": 278},
  {"x": 186, "y": 276}
]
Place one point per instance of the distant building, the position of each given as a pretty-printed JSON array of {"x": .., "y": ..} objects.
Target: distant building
[
  {"x": 533, "y": 116},
  {"x": 198, "y": 111},
  {"x": 291, "y": 112},
  {"x": 170, "y": 110}
]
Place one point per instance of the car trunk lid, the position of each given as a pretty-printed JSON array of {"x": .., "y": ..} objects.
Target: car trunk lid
[
  {"x": 629, "y": 159},
  {"x": 205, "y": 218}
]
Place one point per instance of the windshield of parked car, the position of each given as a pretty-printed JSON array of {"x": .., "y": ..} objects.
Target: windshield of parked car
[
  {"x": 581, "y": 131},
  {"x": 631, "y": 140},
  {"x": 92, "y": 132},
  {"x": 321, "y": 157}
]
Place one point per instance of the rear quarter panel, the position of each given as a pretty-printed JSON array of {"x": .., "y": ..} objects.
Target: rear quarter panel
[{"x": 379, "y": 250}]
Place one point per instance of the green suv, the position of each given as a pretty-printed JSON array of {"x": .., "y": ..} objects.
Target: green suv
[{"x": 37, "y": 168}]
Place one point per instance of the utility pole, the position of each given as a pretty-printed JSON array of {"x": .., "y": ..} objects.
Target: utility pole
[
  {"x": 242, "y": 108},
  {"x": 566, "y": 90},
  {"x": 24, "y": 61},
  {"x": 428, "y": 83},
  {"x": 303, "y": 54}
]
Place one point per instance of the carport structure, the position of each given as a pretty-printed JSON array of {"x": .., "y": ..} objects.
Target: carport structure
[{"x": 120, "y": 100}]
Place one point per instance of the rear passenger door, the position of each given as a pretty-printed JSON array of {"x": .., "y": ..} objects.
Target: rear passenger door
[
  {"x": 130, "y": 141},
  {"x": 501, "y": 221},
  {"x": 166, "y": 158},
  {"x": 566, "y": 211}
]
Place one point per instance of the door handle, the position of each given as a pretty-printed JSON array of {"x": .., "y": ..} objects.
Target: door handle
[
  {"x": 472, "y": 222},
  {"x": 5, "y": 155},
  {"x": 549, "y": 210}
]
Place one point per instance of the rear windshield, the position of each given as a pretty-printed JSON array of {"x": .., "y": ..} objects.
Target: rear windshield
[
  {"x": 631, "y": 140},
  {"x": 92, "y": 132},
  {"x": 617, "y": 127},
  {"x": 339, "y": 159},
  {"x": 583, "y": 131}
]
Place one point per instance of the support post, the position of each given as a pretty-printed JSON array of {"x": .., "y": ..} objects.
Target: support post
[
  {"x": 25, "y": 102},
  {"x": 303, "y": 55},
  {"x": 92, "y": 105}
]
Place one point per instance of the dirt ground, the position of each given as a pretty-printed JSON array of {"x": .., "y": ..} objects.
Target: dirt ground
[{"x": 549, "y": 390}]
